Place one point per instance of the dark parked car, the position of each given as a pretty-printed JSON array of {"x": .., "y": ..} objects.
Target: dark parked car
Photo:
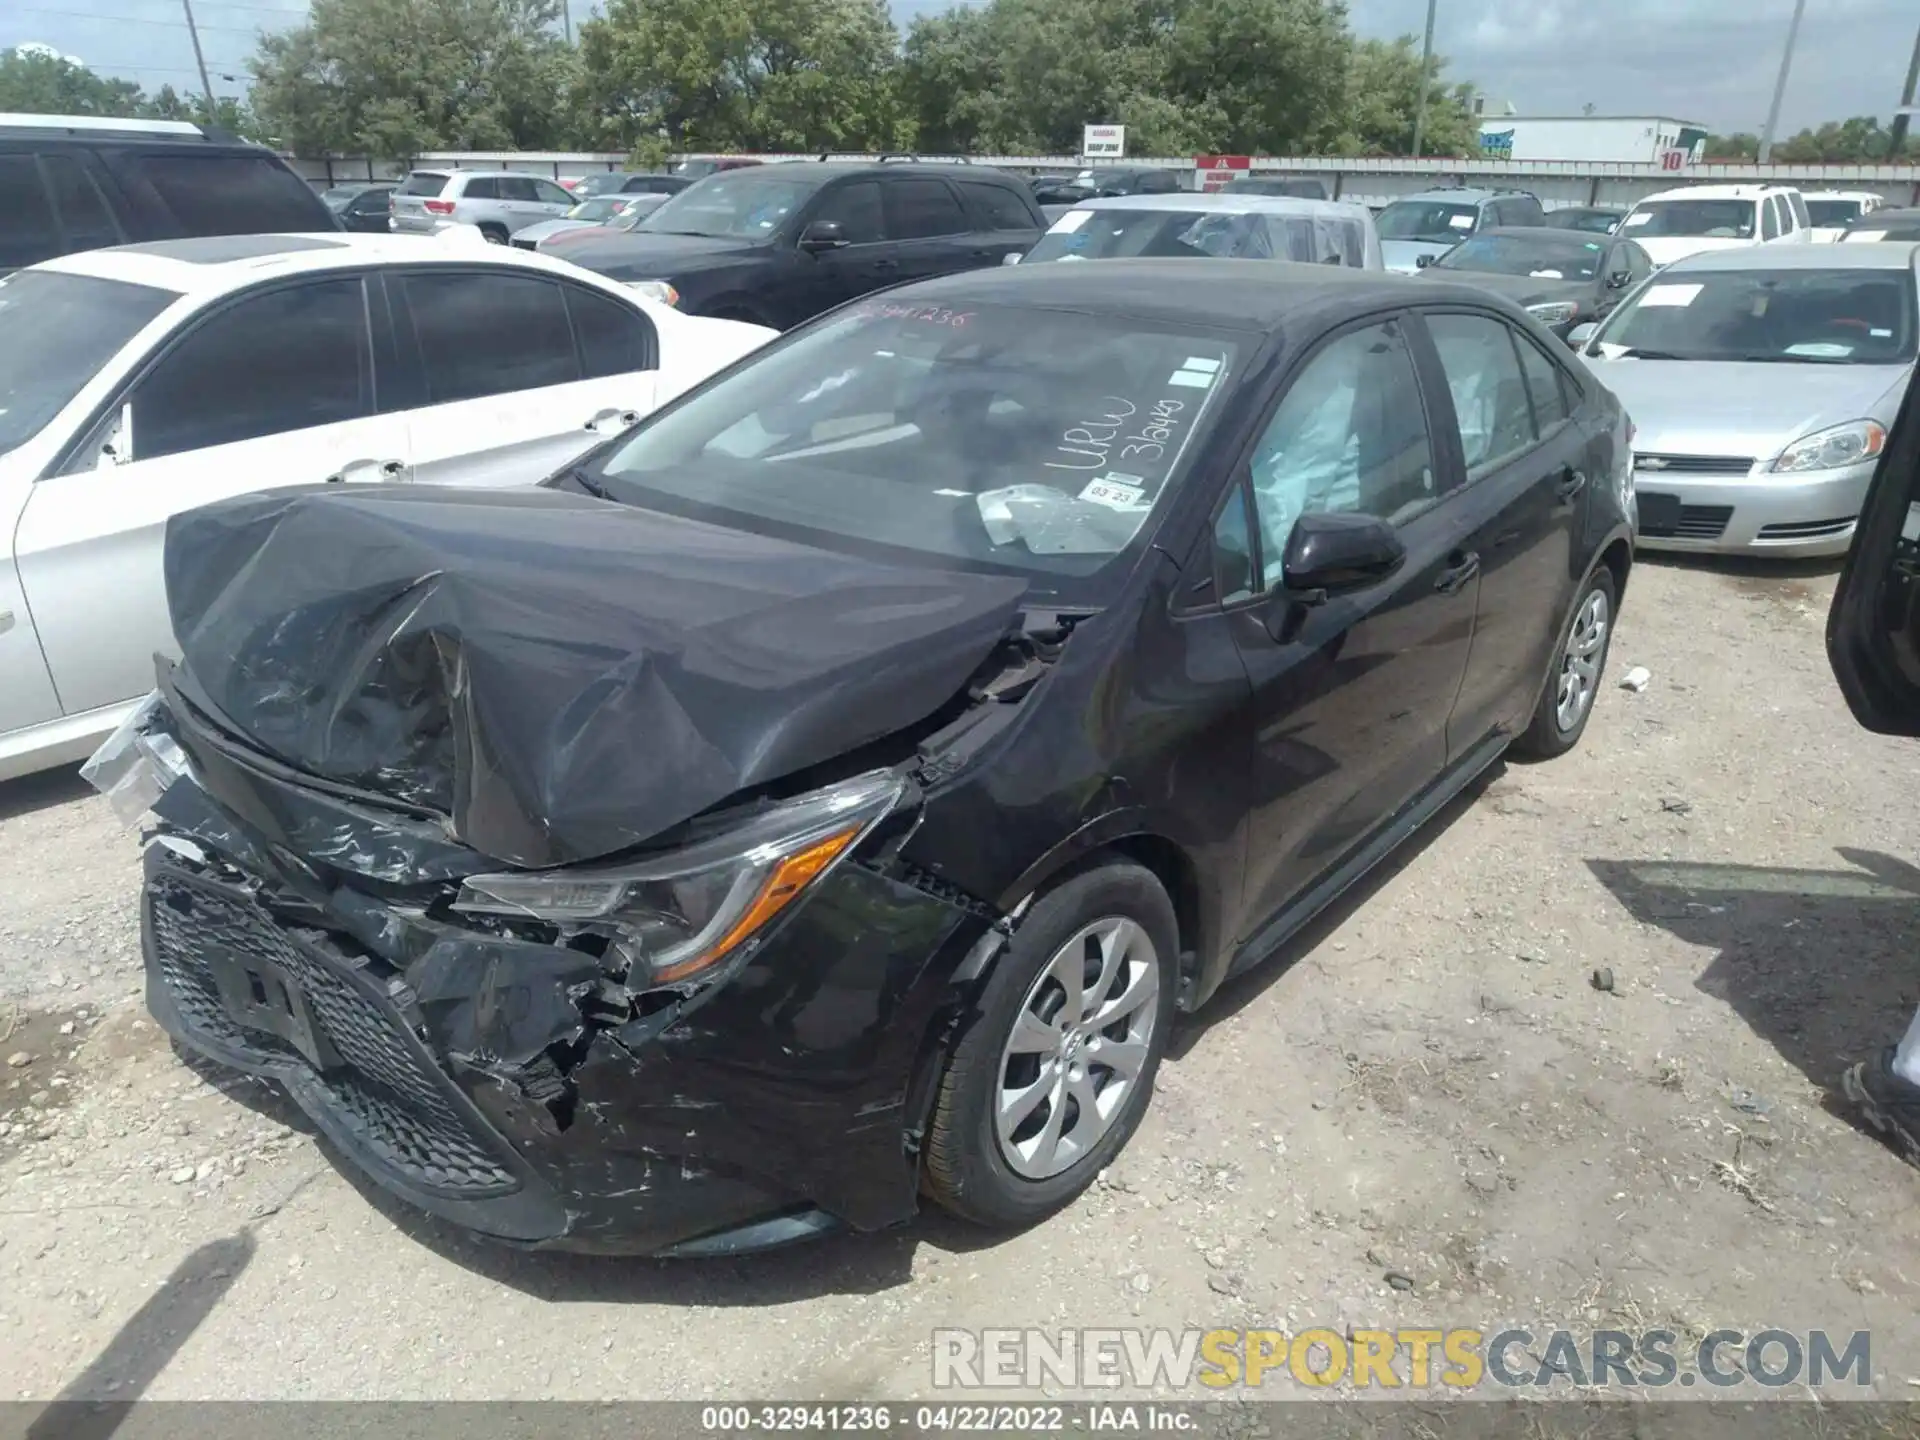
[
  {"x": 72, "y": 182},
  {"x": 1889, "y": 225},
  {"x": 1298, "y": 188},
  {"x": 829, "y": 791},
  {"x": 1873, "y": 623},
  {"x": 1562, "y": 277},
  {"x": 778, "y": 244},
  {"x": 1097, "y": 182},
  {"x": 620, "y": 182},
  {"x": 1592, "y": 219},
  {"x": 363, "y": 207}
]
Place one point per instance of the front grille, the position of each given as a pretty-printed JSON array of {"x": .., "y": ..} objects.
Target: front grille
[
  {"x": 1694, "y": 464},
  {"x": 1696, "y": 522},
  {"x": 1806, "y": 529},
  {"x": 386, "y": 1094}
]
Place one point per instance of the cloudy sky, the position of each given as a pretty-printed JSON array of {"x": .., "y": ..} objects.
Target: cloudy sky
[{"x": 1712, "y": 61}]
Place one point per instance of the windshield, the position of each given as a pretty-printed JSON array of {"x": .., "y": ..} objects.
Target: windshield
[
  {"x": 1833, "y": 212},
  {"x": 603, "y": 207},
  {"x": 1708, "y": 219},
  {"x": 1161, "y": 234},
  {"x": 1593, "y": 222},
  {"x": 606, "y": 184},
  {"x": 1436, "y": 220},
  {"x": 56, "y": 331},
  {"x": 735, "y": 204},
  {"x": 1831, "y": 317},
  {"x": 1545, "y": 256},
  {"x": 340, "y": 196},
  {"x": 981, "y": 437},
  {"x": 423, "y": 182}
]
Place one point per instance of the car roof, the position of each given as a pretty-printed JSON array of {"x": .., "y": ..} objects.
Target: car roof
[
  {"x": 833, "y": 169},
  {"x": 1715, "y": 192},
  {"x": 1841, "y": 195},
  {"x": 1885, "y": 255},
  {"x": 1238, "y": 202},
  {"x": 1217, "y": 294},
  {"x": 1465, "y": 196},
  {"x": 219, "y": 263}
]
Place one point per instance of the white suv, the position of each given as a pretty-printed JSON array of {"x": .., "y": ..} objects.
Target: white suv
[
  {"x": 145, "y": 380},
  {"x": 496, "y": 202},
  {"x": 1676, "y": 223}
]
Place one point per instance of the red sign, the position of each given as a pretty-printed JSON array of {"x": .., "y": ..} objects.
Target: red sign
[{"x": 1216, "y": 171}]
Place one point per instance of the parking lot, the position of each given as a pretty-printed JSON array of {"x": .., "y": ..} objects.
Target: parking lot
[{"x": 1569, "y": 1060}]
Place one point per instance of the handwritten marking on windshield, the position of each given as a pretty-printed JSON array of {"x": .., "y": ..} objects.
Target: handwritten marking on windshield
[{"x": 1092, "y": 439}]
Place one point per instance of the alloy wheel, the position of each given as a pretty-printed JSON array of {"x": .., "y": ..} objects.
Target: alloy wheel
[
  {"x": 1580, "y": 666},
  {"x": 1079, "y": 1041}
]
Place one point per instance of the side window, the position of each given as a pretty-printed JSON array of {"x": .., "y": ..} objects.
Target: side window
[
  {"x": 1489, "y": 392},
  {"x": 1529, "y": 211},
  {"x": 1770, "y": 218},
  {"x": 1638, "y": 261},
  {"x": 995, "y": 207},
  {"x": 919, "y": 209},
  {"x": 614, "y": 339},
  {"x": 1349, "y": 435},
  {"x": 1545, "y": 384},
  {"x": 489, "y": 334},
  {"x": 27, "y": 231},
  {"x": 480, "y": 187},
  {"x": 1797, "y": 207},
  {"x": 1233, "y": 569},
  {"x": 239, "y": 376},
  {"x": 856, "y": 208},
  {"x": 548, "y": 193},
  {"x": 518, "y": 188},
  {"x": 231, "y": 194},
  {"x": 1158, "y": 182},
  {"x": 85, "y": 216}
]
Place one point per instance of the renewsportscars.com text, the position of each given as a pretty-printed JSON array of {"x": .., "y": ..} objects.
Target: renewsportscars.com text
[{"x": 1401, "y": 1358}]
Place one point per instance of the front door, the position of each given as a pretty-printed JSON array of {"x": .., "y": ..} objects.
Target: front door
[
  {"x": 274, "y": 389},
  {"x": 1526, "y": 466},
  {"x": 1351, "y": 696},
  {"x": 865, "y": 262}
]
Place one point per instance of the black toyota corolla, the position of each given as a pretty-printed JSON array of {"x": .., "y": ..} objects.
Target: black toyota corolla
[{"x": 828, "y": 792}]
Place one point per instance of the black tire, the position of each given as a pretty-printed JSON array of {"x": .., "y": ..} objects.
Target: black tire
[
  {"x": 1545, "y": 737},
  {"x": 966, "y": 1169},
  {"x": 494, "y": 234}
]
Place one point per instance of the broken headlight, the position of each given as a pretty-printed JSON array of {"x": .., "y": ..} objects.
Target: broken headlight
[{"x": 675, "y": 915}]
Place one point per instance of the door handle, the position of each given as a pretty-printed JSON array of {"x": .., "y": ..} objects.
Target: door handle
[
  {"x": 383, "y": 470},
  {"x": 1570, "y": 483},
  {"x": 886, "y": 264},
  {"x": 1463, "y": 567},
  {"x": 626, "y": 418}
]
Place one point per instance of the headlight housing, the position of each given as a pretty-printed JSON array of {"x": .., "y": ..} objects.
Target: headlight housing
[
  {"x": 675, "y": 916},
  {"x": 1554, "y": 312},
  {"x": 1829, "y": 449},
  {"x": 656, "y": 290}
]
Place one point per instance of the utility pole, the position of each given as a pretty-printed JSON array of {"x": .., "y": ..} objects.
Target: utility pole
[
  {"x": 1426, "y": 64},
  {"x": 566, "y": 18},
  {"x": 1780, "y": 85},
  {"x": 1899, "y": 131},
  {"x": 199, "y": 59}
]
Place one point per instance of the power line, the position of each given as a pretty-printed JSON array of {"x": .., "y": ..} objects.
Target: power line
[{"x": 126, "y": 19}]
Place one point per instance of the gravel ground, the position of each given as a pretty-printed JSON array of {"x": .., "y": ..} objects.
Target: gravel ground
[{"x": 1433, "y": 1084}]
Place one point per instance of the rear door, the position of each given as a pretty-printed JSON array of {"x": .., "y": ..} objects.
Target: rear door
[
  {"x": 275, "y": 387},
  {"x": 928, "y": 230},
  {"x": 498, "y": 389},
  {"x": 1351, "y": 697},
  {"x": 1508, "y": 411}
]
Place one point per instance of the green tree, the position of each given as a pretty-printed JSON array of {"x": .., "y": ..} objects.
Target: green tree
[
  {"x": 227, "y": 113},
  {"x": 395, "y": 77},
  {"x": 1737, "y": 149},
  {"x": 36, "y": 80},
  {"x": 750, "y": 74},
  {"x": 1383, "y": 94}
]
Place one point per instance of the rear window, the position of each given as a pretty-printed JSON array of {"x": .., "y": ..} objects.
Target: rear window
[
  {"x": 232, "y": 194},
  {"x": 56, "y": 331},
  {"x": 1193, "y": 234},
  {"x": 423, "y": 182},
  {"x": 1834, "y": 212}
]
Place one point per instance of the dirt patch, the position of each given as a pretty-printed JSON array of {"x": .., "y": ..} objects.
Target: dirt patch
[{"x": 39, "y": 1054}]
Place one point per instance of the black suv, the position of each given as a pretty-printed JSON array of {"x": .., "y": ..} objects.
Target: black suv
[
  {"x": 1097, "y": 182},
  {"x": 71, "y": 182},
  {"x": 780, "y": 243}
]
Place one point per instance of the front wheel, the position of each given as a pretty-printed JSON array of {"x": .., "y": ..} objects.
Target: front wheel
[
  {"x": 1566, "y": 703},
  {"x": 1053, "y": 1075}
]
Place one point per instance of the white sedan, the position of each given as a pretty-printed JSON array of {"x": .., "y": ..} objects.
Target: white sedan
[{"x": 144, "y": 380}]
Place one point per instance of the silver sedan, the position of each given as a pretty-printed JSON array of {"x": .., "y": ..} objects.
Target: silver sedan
[{"x": 1761, "y": 383}]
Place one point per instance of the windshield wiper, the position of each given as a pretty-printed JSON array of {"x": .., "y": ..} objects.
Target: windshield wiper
[
  {"x": 1635, "y": 353},
  {"x": 585, "y": 479}
]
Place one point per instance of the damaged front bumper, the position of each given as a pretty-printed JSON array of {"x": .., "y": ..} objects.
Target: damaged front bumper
[{"x": 511, "y": 1085}]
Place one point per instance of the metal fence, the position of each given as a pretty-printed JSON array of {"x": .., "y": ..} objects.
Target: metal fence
[{"x": 1370, "y": 181}]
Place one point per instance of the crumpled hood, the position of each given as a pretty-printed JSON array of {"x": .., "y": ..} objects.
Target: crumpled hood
[
  {"x": 1706, "y": 407},
  {"x": 555, "y": 676}
]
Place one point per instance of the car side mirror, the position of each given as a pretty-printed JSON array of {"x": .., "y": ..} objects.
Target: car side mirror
[
  {"x": 1331, "y": 554},
  {"x": 823, "y": 235},
  {"x": 1581, "y": 334},
  {"x": 1619, "y": 280},
  {"x": 1423, "y": 261}
]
